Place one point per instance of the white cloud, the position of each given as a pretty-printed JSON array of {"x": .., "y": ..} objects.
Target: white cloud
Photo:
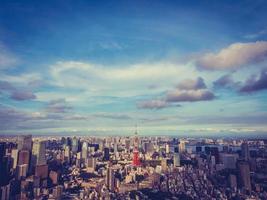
[
  {"x": 117, "y": 80},
  {"x": 189, "y": 95},
  {"x": 192, "y": 84},
  {"x": 133, "y": 72},
  {"x": 234, "y": 56},
  {"x": 21, "y": 79}
]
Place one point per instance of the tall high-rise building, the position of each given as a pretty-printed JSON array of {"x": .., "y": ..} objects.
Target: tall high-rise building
[
  {"x": 176, "y": 160},
  {"x": 244, "y": 175},
  {"x": 127, "y": 145},
  {"x": 64, "y": 141},
  {"x": 67, "y": 153},
  {"x": 91, "y": 163},
  {"x": 5, "y": 166},
  {"x": 14, "y": 156},
  {"x": 229, "y": 160},
  {"x": 106, "y": 154},
  {"x": 84, "y": 150},
  {"x": 5, "y": 192},
  {"x": 214, "y": 151},
  {"x": 115, "y": 148},
  {"x": 24, "y": 157},
  {"x": 167, "y": 148},
  {"x": 181, "y": 146},
  {"x": 41, "y": 171},
  {"x": 110, "y": 179},
  {"x": 38, "y": 153},
  {"x": 25, "y": 142},
  {"x": 101, "y": 145},
  {"x": 74, "y": 144},
  {"x": 232, "y": 181},
  {"x": 148, "y": 147},
  {"x": 2, "y": 150},
  {"x": 164, "y": 165},
  {"x": 245, "y": 151},
  {"x": 22, "y": 171}
]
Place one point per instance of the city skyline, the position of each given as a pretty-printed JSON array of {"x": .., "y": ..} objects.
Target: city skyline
[{"x": 171, "y": 67}]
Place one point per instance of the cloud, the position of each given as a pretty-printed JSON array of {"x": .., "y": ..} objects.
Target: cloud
[
  {"x": 134, "y": 72},
  {"x": 58, "y": 106},
  {"x": 234, "y": 56},
  {"x": 192, "y": 84},
  {"x": 6, "y": 86},
  {"x": 256, "y": 35},
  {"x": 113, "y": 116},
  {"x": 189, "y": 96},
  {"x": 16, "y": 93},
  {"x": 153, "y": 104},
  {"x": 123, "y": 81},
  {"x": 247, "y": 119},
  {"x": 254, "y": 83},
  {"x": 10, "y": 117},
  {"x": 16, "y": 119},
  {"x": 189, "y": 90},
  {"x": 22, "y": 95},
  {"x": 226, "y": 81},
  {"x": 24, "y": 79}
]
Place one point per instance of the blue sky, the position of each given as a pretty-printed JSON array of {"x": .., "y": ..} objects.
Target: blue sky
[{"x": 100, "y": 67}]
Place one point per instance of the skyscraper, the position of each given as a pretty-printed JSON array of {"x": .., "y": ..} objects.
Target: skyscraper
[
  {"x": 91, "y": 163},
  {"x": 181, "y": 146},
  {"x": 127, "y": 145},
  {"x": 167, "y": 148},
  {"x": 38, "y": 153},
  {"x": 14, "y": 156},
  {"x": 24, "y": 157},
  {"x": 21, "y": 171},
  {"x": 25, "y": 142},
  {"x": 5, "y": 166},
  {"x": 84, "y": 150},
  {"x": 164, "y": 165},
  {"x": 5, "y": 192},
  {"x": 67, "y": 153},
  {"x": 245, "y": 151},
  {"x": 148, "y": 147},
  {"x": 176, "y": 160},
  {"x": 244, "y": 175},
  {"x": 106, "y": 154},
  {"x": 110, "y": 179},
  {"x": 74, "y": 145},
  {"x": 229, "y": 160}
]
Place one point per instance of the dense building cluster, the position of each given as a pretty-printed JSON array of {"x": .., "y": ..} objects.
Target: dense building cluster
[{"x": 132, "y": 168}]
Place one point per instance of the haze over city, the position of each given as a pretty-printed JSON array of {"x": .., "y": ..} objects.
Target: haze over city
[
  {"x": 133, "y": 100},
  {"x": 171, "y": 67}
]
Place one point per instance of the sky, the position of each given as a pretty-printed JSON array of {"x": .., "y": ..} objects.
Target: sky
[{"x": 103, "y": 67}]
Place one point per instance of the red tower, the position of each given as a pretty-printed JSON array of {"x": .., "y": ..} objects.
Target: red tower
[{"x": 136, "y": 160}]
